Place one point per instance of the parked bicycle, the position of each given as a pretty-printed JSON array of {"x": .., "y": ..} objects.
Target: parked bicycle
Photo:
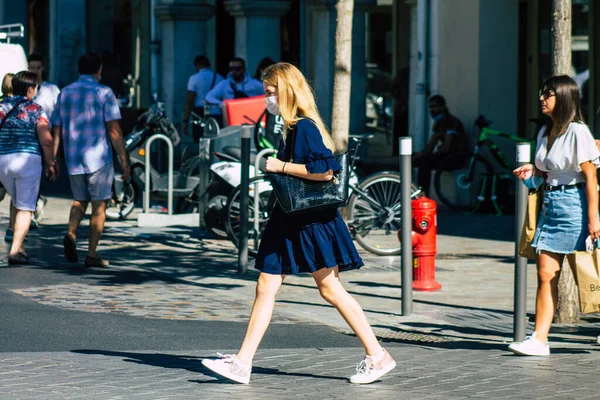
[
  {"x": 373, "y": 211},
  {"x": 481, "y": 181}
]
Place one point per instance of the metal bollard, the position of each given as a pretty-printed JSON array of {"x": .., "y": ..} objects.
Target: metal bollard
[
  {"x": 244, "y": 182},
  {"x": 406, "y": 262},
  {"x": 204, "y": 175},
  {"x": 520, "y": 291}
]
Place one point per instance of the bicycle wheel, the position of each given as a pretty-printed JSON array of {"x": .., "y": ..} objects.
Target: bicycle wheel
[
  {"x": 121, "y": 204},
  {"x": 374, "y": 213},
  {"x": 460, "y": 189},
  {"x": 266, "y": 201}
]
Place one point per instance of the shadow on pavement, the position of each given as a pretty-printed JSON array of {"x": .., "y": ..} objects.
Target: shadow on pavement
[
  {"x": 477, "y": 226},
  {"x": 165, "y": 257},
  {"x": 191, "y": 363}
]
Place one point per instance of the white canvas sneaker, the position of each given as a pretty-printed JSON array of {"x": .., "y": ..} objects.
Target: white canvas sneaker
[
  {"x": 230, "y": 367},
  {"x": 531, "y": 346},
  {"x": 372, "y": 368}
]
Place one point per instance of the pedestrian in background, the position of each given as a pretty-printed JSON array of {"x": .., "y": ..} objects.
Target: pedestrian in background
[
  {"x": 566, "y": 159},
  {"x": 7, "y": 89},
  {"x": 48, "y": 92},
  {"x": 317, "y": 242},
  {"x": 448, "y": 143},
  {"x": 238, "y": 85},
  {"x": 262, "y": 64},
  {"x": 86, "y": 121},
  {"x": 25, "y": 145},
  {"x": 199, "y": 84},
  {"x": 46, "y": 97}
]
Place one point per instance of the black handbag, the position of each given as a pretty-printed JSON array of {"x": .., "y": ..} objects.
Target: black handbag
[{"x": 296, "y": 195}]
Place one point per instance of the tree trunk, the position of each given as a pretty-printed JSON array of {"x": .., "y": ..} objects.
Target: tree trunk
[
  {"x": 340, "y": 119},
  {"x": 568, "y": 303},
  {"x": 561, "y": 37}
]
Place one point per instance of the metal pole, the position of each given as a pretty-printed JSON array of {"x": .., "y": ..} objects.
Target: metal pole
[
  {"x": 406, "y": 262},
  {"x": 204, "y": 145},
  {"x": 256, "y": 188},
  {"x": 520, "y": 292},
  {"x": 244, "y": 183}
]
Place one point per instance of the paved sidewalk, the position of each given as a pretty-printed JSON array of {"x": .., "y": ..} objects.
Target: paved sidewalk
[{"x": 452, "y": 346}]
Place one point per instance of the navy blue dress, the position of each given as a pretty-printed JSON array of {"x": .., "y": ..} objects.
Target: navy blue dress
[{"x": 292, "y": 244}]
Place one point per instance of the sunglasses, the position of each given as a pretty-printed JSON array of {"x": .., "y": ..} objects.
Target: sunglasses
[
  {"x": 546, "y": 94},
  {"x": 236, "y": 68}
]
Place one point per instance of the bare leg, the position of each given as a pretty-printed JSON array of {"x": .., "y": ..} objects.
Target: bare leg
[
  {"x": 266, "y": 288},
  {"x": 21, "y": 227},
  {"x": 96, "y": 226},
  {"x": 333, "y": 292},
  {"x": 548, "y": 265},
  {"x": 76, "y": 216}
]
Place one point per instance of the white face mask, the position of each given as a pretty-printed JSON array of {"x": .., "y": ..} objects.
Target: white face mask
[{"x": 272, "y": 105}]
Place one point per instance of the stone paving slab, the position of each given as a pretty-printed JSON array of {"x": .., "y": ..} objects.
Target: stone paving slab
[{"x": 422, "y": 373}]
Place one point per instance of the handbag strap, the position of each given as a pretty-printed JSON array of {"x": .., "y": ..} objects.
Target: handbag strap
[{"x": 10, "y": 112}]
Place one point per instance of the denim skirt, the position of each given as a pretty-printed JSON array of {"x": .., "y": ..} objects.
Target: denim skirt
[{"x": 562, "y": 225}]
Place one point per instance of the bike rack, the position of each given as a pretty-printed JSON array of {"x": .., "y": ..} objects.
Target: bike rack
[
  {"x": 147, "y": 174},
  {"x": 259, "y": 156}
]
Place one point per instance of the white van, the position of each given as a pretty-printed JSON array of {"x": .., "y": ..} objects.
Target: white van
[{"x": 12, "y": 55}]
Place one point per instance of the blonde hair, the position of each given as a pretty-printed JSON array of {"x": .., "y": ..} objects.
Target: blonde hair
[
  {"x": 296, "y": 98},
  {"x": 7, "y": 89}
]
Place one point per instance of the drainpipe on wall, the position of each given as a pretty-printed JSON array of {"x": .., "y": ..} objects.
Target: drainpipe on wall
[{"x": 422, "y": 109}]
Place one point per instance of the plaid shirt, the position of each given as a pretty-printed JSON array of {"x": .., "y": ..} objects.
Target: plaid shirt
[{"x": 82, "y": 110}]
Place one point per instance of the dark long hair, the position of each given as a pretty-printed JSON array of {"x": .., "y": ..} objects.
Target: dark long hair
[{"x": 568, "y": 103}]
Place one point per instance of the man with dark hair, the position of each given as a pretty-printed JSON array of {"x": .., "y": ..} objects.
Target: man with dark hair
[
  {"x": 448, "y": 142},
  {"x": 198, "y": 86},
  {"x": 48, "y": 92},
  {"x": 86, "y": 119},
  {"x": 238, "y": 85}
]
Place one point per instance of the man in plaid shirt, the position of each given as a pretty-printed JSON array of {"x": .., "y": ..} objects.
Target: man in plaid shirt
[{"x": 86, "y": 119}]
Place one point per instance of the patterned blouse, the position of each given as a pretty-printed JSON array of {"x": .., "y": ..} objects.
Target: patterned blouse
[{"x": 19, "y": 132}]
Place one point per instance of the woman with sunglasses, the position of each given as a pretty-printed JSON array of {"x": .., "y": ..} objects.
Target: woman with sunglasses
[
  {"x": 317, "y": 242},
  {"x": 565, "y": 164}
]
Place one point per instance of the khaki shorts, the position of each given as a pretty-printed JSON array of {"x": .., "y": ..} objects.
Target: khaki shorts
[{"x": 95, "y": 186}]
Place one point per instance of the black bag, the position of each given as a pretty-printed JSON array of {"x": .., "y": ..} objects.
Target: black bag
[
  {"x": 296, "y": 195},
  {"x": 238, "y": 94}
]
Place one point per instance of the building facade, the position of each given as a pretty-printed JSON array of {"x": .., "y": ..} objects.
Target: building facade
[{"x": 485, "y": 56}]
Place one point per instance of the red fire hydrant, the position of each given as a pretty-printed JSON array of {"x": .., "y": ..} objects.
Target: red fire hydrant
[{"x": 424, "y": 225}]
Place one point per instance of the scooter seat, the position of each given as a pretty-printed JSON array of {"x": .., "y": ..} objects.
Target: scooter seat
[{"x": 236, "y": 152}]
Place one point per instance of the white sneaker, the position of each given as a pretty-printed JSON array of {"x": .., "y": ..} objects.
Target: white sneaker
[
  {"x": 531, "y": 346},
  {"x": 230, "y": 367},
  {"x": 372, "y": 368}
]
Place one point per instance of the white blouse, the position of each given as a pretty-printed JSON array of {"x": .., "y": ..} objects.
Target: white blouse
[{"x": 568, "y": 152}]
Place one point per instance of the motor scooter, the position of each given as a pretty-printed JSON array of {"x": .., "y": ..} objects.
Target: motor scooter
[{"x": 125, "y": 194}]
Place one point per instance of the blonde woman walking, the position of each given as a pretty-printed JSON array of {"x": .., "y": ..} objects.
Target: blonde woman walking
[{"x": 317, "y": 242}]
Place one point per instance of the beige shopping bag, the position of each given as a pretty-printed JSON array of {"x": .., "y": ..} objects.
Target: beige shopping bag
[
  {"x": 534, "y": 200},
  {"x": 587, "y": 276}
]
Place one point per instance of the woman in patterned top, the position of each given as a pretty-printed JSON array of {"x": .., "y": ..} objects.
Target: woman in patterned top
[{"x": 25, "y": 140}]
